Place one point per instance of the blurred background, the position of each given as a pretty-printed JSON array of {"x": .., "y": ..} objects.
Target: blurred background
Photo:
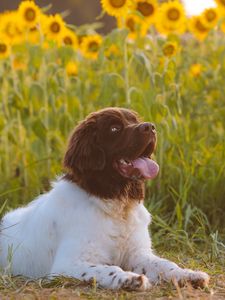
[
  {"x": 86, "y": 11},
  {"x": 78, "y": 11}
]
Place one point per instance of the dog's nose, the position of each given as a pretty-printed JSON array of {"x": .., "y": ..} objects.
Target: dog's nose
[{"x": 147, "y": 127}]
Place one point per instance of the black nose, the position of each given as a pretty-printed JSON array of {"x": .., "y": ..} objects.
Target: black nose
[{"x": 146, "y": 127}]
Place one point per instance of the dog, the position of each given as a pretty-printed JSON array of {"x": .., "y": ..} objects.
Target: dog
[{"x": 92, "y": 224}]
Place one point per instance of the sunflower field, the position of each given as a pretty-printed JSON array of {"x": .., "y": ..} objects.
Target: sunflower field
[{"x": 167, "y": 66}]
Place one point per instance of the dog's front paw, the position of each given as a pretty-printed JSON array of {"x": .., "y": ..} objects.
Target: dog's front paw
[
  {"x": 195, "y": 278},
  {"x": 135, "y": 282}
]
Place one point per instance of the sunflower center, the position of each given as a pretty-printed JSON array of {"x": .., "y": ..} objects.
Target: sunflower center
[
  {"x": 211, "y": 15},
  {"x": 33, "y": 29},
  {"x": 30, "y": 14},
  {"x": 222, "y": 2},
  {"x": 173, "y": 14},
  {"x": 130, "y": 24},
  {"x": 3, "y": 48},
  {"x": 55, "y": 27},
  {"x": 145, "y": 8},
  {"x": 67, "y": 40},
  {"x": 93, "y": 46},
  {"x": 168, "y": 50},
  {"x": 200, "y": 27},
  {"x": 117, "y": 3}
]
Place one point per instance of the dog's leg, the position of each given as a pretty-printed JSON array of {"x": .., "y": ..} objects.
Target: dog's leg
[
  {"x": 158, "y": 269},
  {"x": 111, "y": 277},
  {"x": 71, "y": 260}
]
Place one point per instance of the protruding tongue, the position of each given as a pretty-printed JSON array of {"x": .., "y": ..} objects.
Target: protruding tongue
[{"x": 146, "y": 166}]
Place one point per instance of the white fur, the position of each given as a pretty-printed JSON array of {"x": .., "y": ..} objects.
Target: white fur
[{"x": 68, "y": 232}]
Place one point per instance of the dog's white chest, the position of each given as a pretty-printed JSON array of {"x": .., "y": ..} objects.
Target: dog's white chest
[{"x": 117, "y": 233}]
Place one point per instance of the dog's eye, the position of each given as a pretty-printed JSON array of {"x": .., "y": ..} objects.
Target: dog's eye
[{"x": 115, "y": 128}]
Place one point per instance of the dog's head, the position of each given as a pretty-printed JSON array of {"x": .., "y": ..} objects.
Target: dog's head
[{"x": 109, "y": 154}]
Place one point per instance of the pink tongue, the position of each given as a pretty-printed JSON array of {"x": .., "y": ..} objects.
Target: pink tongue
[{"x": 147, "y": 167}]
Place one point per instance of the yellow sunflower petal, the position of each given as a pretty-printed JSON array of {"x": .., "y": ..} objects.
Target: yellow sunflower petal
[
  {"x": 116, "y": 8},
  {"x": 33, "y": 36},
  {"x": 221, "y": 5},
  {"x": 72, "y": 69},
  {"x": 222, "y": 27},
  {"x": 112, "y": 51},
  {"x": 195, "y": 70},
  {"x": 19, "y": 64}
]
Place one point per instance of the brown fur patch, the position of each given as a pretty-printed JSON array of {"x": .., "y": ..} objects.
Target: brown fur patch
[{"x": 93, "y": 149}]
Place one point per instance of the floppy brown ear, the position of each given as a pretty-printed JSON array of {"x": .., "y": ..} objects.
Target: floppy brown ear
[{"x": 83, "y": 153}]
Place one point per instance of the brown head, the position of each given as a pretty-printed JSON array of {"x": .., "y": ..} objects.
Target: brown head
[{"x": 109, "y": 154}]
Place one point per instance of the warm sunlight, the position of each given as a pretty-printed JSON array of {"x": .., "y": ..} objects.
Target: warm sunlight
[{"x": 195, "y": 7}]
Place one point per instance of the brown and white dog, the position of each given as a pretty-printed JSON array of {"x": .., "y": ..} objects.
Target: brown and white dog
[{"x": 92, "y": 223}]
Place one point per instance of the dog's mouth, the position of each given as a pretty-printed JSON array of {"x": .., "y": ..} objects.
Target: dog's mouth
[{"x": 141, "y": 167}]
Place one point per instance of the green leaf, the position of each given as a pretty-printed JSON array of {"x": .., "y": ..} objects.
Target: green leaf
[{"x": 39, "y": 129}]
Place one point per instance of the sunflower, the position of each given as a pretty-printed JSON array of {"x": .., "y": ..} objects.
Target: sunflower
[
  {"x": 221, "y": 5},
  {"x": 69, "y": 38},
  {"x": 53, "y": 27},
  {"x": 147, "y": 9},
  {"x": 197, "y": 28},
  {"x": 210, "y": 17},
  {"x": 112, "y": 51},
  {"x": 170, "y": 49},
  {"x": 29, "y": 13},
  {"x": 11, "y": 28},
  {"x": 171, "y": 18},
  {"x": 19, "y": 64},
  {"x": 116, "y": 8},
  {"x": 195, "y": 70},
  {"x": 33, "y": 36},
  {"x": 134, "y": 24},
  {"x": 72, "y": 69},
  {"x": 4, "y": 48},
  {"x": 90, "y": 46}
]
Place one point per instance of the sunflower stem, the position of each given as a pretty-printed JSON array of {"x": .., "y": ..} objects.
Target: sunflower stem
[
  {"x": 126, "y": 74},
  {"x": 43, "y": 74}
]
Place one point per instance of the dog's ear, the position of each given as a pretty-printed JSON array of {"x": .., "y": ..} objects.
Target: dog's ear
[{"x": 83, "y": 153}]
